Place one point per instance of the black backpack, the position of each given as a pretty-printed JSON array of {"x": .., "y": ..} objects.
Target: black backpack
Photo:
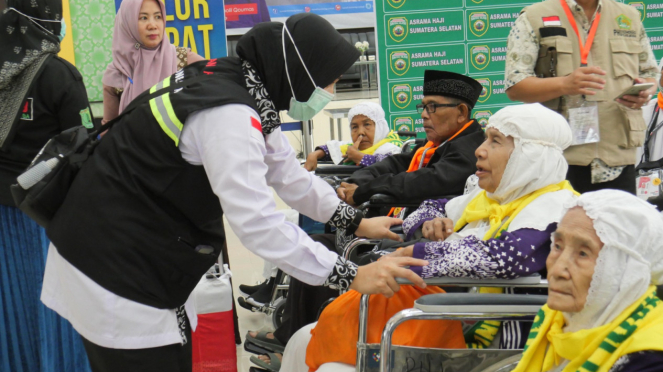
[{"x": 41, "y": 189}]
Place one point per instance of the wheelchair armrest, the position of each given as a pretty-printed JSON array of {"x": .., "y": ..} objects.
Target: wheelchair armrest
[
  {"x": 384, "y": 200},
  {"x": 397, "y": 229},
  {"x": 525, "y": 281},
  {"x": 336, "y": 170},
  {"x": 470, "y": 303}
]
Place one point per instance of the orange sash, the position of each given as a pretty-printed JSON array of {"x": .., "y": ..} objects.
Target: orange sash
[
  {"x": 416, "y": 160},
  {"x": 336, "y": 334},
  {"x": 660, "y": 99}
]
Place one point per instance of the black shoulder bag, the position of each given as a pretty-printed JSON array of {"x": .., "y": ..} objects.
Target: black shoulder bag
[{"x": 43, "y": 186}]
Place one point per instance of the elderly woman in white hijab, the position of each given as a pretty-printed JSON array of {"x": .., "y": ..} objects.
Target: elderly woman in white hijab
[
  {"x": 602, "y": 312},
  {"x": 499, "y": 230},
  {"x": 372, "y": 141}
]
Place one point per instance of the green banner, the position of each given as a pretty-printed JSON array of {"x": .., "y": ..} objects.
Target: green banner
[
  {"x": 651, "y": 12},
  {"x": 656, "y": 41},
  {"x": 493, "y": 90},
  {"x": 406, "y": 122},
  {"x": 468, "y": 38},
  {"x": 418, "y": 5},
  {"x": 481, "y": 3},
  {"x": 487, "y": 57},
  {"x": 490, "y": 23},
  {"x": 422, "y": 28},
  {"x": 405, "y": 95},
  {"x": 411, "y": 62},
  {"x": 483, "y": 114}
]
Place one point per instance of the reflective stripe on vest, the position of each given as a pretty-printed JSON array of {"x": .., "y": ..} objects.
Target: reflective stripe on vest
[{"x": 163, "y": 112}]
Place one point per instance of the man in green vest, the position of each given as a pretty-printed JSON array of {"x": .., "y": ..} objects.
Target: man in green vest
[{"x": 577, "y": 57}]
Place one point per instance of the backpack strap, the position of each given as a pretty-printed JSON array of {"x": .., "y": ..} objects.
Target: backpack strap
[{"x": 146, "y": 98}]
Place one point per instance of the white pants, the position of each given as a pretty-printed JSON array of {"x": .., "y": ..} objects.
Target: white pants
[{"x": 294, "y": 356}]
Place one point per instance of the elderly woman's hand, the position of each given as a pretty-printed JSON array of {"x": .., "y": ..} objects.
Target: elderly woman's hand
[
  {"x": 353, "y": 152},
  {"x": 438, "y": 229},
  {"x": 402, "y": 252},
  {"x": 312, "y": 160}
]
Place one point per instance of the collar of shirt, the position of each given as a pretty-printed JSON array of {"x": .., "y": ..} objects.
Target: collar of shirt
[{"x": 580, "y": 15}]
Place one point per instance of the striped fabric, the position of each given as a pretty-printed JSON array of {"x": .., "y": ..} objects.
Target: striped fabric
[
  {"x": 163, "y": 112},
  {"x": 619, "y": 335},
  {"x": 33, "y": 338}
]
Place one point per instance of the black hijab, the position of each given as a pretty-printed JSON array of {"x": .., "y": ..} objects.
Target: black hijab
[
  {"x": 25, "y": 45},
  {"x": 325, "y": 52}
]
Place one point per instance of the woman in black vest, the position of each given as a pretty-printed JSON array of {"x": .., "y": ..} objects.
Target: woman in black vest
[
  {"x": 142, "y": 221},
  {"x": 40, "y": 96}
]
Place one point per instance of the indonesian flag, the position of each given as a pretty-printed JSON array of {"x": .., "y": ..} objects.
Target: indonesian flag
[{"x": 551, "y": 21}]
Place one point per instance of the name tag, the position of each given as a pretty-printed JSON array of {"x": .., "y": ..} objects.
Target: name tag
[{"x": 584, "y": 122}]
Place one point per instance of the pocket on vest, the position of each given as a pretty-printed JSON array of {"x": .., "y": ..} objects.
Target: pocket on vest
[
  {"x": 180, "y": 268},
  {"x": 625, "y": 58},
  {"x": 635, "y": 127},
  {"x": 557, "y": 52}
]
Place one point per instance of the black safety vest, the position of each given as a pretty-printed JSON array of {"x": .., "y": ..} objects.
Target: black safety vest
[{"x": 139, "y": 220}]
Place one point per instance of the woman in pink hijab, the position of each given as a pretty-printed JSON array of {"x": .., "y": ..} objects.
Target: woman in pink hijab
[{"x": 142, "y": 55}]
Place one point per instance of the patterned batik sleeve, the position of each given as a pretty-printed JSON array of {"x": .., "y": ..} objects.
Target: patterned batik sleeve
[
  {"x": 324, "y": 148},
  {"x": 428, "y": 210},
  {"x": 342, "y": 275},
  {"x": 343, "y": 216},
  {"x": 368, "y": 160},
  {"x": 514, "y": 254},
  {"x": 522, "y": 52}
]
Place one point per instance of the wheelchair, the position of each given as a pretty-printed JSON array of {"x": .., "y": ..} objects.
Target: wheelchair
[{"x": 451, "y": 306}]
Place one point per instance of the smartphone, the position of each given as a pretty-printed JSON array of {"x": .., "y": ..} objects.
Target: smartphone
[{"x": 634, "y": 90}]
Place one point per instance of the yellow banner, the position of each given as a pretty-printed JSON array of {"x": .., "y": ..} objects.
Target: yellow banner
[{"x": 67, "y": 44}]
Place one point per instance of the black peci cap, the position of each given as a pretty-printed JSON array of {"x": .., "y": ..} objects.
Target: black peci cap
[{"x": 451, "y": 84}]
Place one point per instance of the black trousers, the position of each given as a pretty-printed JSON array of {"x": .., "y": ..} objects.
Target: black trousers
[
  {"x": 581, "y": 179},
  {"x": 169, "y": 358}
]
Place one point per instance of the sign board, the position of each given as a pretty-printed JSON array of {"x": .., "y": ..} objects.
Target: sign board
[
  {"x": 241, "y": 15},
  {"x": 462, "y": 36}
]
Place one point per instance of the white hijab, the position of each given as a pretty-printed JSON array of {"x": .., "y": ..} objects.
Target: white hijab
[
  {"x": 631, "y": 258},
  {"x": 374, "y": 112},
  {"x": 540, "y": 136}
]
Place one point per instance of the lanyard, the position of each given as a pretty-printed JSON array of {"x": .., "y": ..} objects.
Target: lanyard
[{"x": 584, "y": 49}]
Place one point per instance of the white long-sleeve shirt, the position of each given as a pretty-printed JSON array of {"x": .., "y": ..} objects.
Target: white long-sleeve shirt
[{"x": 241, "y": 165}]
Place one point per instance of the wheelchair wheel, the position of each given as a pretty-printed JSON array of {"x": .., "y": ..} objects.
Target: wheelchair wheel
[{"x": 277, "y": 315}]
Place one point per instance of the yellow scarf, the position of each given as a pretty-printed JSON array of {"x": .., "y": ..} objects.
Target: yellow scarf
[
  {"x": 638, "y": 328},
  {"x": 392, "y": 138},
  {"x": 482, "y": 207}
]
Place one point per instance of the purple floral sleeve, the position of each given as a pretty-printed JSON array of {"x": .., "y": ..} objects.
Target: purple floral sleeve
[
  {"x": 514, "y": 254},
  {"x": 428, "y": 210},
  {"x": 326, "y": 150},
  {"x": 368, "y": 160}
]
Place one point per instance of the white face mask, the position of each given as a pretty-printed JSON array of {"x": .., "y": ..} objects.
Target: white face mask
[{"x": 318, "y": 100}]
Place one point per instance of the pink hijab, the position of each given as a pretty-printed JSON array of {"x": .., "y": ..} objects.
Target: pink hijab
[{"x": 131, "y": 60}]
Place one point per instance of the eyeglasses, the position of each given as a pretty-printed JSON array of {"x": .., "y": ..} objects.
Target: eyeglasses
[{"x": 431, "y": 107}]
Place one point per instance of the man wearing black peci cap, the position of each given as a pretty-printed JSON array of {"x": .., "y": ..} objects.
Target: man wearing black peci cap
[{"x": 442, "y": 165}]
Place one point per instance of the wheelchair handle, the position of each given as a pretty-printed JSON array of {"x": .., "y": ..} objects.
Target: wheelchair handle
[{"x": 406, "y": 133}]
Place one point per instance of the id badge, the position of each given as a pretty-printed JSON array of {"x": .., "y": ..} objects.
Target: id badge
[
  {"x": 584, "y": 122},
  {"x": 648, "y": 184}
]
